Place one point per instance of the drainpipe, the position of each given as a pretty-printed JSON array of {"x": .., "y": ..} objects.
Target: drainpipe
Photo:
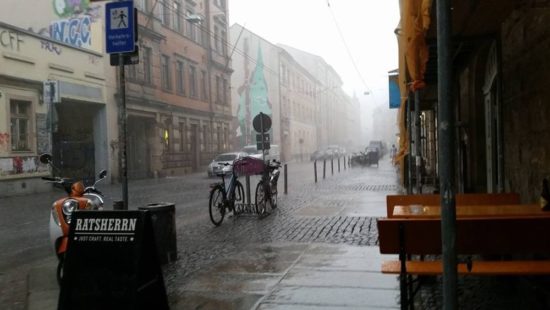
[
  {"x": 409, "y": 156},
  {"x": 446, "y": 154},
  {"x": 417, "y": 143}
]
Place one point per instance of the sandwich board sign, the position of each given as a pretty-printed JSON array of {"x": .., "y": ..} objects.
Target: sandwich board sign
[
  {"x": 119, "y": 27},
  {"x": 112, "y": 263}
]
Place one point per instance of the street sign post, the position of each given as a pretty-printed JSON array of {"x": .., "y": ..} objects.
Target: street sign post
[
  {"x": 120, "y": 36},
  {"x": 262, "y": 124},
  {"x": 266, "y": 141},
  {"x": 119, "y": 17}
]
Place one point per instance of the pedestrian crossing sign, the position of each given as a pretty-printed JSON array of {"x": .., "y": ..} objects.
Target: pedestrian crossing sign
[{"x": 119, "y": 17}]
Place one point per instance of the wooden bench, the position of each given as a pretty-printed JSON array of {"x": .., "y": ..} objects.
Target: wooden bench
[
  {"x": 461, "y": 199},
  {"x": 520, "y": 236}
]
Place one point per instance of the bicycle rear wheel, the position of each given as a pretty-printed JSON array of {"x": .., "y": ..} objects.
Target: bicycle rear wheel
[
  {"x": 216, "y": 205},
  {"x": 261, "y": 200}
]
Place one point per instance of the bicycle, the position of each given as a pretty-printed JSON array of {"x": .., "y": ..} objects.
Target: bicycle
[
  {"x": 266, "y": 190},
  {"x": 223, "y": 200}
]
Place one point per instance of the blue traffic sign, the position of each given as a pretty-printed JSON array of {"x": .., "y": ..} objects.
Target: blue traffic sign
[{"x": 119, "y": 27}]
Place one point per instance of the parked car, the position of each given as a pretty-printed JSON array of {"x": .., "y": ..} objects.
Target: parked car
[
  {"x": 317, "y": 155},
  {"x": 214, "y": 166},
  {"x": 272, "y": 153}
]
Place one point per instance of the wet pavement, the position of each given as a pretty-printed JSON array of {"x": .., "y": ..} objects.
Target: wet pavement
[{"x": 317, "y": 249}]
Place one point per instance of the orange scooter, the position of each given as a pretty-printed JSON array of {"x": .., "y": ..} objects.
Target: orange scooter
[{"x": 78, "y": 198}]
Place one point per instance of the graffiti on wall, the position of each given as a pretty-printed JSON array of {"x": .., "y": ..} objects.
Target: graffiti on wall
[
  {"x": 75, "y": 26},
  {"x": 51, "y": 47},
  {"x": 72, "y": 8},
  {"x": 20, "y": 165},
  {"x": 253, "y": 99},
  {"x": 74, "y": 31},
  {"x": 42, "y": 134},
  {"x": 10, "y": 39},
  {"x": 4, "y": 141}
]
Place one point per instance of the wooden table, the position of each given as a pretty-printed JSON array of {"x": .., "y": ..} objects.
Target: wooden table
[{"x": 430, "y": 211}]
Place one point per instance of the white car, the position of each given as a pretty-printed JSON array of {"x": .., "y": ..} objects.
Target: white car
[
  {"x": 226, "y": 158},
  {"x": 272, "y": 153}
]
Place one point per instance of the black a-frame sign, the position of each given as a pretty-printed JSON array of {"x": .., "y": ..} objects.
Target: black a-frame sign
[{"x": 112, "y": 263}]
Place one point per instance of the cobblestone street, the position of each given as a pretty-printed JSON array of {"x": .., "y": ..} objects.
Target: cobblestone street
[{"x": 340, "y": 209}]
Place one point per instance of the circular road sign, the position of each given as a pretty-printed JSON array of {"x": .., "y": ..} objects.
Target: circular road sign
[{"x": 261, "y": 121}]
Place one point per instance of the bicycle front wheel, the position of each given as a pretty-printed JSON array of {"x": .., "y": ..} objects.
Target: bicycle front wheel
[
  {"x": 261, "y": 200},
  {"x": 216, "y": 205},
  {"x": 238, "y": 196}
]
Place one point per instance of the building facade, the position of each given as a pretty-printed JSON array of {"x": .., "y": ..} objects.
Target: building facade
[
  {"x": 179, "y": 108},
  {"x": 268, "y": 79},
  {"x": 499, "y": 94},
  {"x": 336, "y": 113},
  {"x": 177, "y": 98},
  {"x": 73, "y": 128}
]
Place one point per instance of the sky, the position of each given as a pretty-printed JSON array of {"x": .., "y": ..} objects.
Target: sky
[{"x": 356, "y": 37}]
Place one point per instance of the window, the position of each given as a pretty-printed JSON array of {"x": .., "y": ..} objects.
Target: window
[
  {"x": 20, "y": 125},
  {"x": 190, "y": 29},
  {"x": 178, "y": 25},
  {"x": 204, "y": 93},
  {"x": 164, "y": 12},
  {"x": 165, "y": 72},
  {"x": 147, "y": 65},
  {"x": 225, "y": 137},
  {"x": 216, "y": 38},
  {"x": 224, "y": 47},
  {"x": 180, "y": 77},
  {"x": 131, "y": 71},
  {"x": 183, "y": 137},
  {"x": 192, "y": 81},
  {"x": 218, "y": 90},
  {"x": 224, "y": 92},
  {"x": 141, "y": 5},
  {"x": 219, "y": 138},
  {"x": 205, "y": 138}
]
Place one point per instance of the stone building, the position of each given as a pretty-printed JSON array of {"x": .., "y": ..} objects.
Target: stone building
[
  {"x": 500, "y": 94},
  {"x": 177, "y": 97},
  {"x": 337, "y": 114},
  {"x": 268, "y": 79},
  {"x": 73, "y": 128},
  {"x": 179, "y": 108}
]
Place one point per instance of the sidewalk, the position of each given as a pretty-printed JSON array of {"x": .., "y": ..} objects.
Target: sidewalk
[
  {"x": 302, "y": 277},
  {"x": 281, "y": 274}
]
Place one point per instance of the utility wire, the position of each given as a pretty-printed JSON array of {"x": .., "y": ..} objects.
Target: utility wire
[
  {"x": 210, "y": 34},
  {"x": 347, "y": 48}
]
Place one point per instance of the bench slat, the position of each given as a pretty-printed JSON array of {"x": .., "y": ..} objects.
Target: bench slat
[
  {"x": 461, "y": 199},
  {"x": 490, "y": 268},
  {"x": 475, "y": 236}
]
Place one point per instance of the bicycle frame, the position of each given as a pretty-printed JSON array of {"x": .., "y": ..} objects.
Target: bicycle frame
[{"x": 228, "y": 190}]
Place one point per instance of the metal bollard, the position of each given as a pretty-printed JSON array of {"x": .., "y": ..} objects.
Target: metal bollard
[
  {"x": 338, "y": 164},
  {"x": 286, "y": 179},
  {"x": 331, "y": 166},
  {"x": 315, "y": 169},
  {"x": 324, "y": 167}
]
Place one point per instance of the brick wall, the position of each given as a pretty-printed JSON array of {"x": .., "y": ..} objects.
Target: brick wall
[{"x": 525, "y": 38}]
